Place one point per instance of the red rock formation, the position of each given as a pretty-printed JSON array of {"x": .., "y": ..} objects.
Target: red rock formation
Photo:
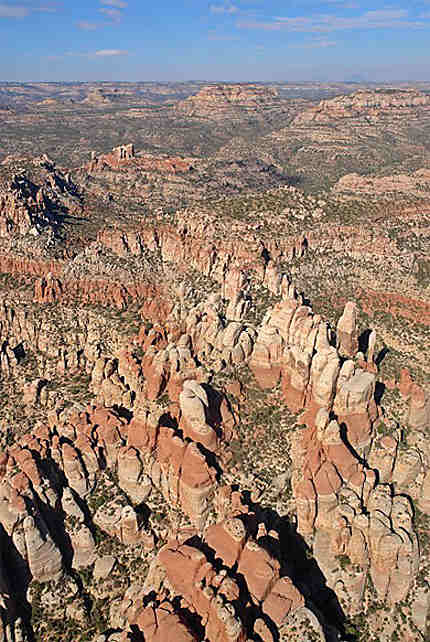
[
  {"x": 355, "y": 406},
  {"x": 405, "y": 383},
  {"x": 123, "y": 157},
  {"x": 160, "y": 623},
  {"x": 419, "y": 408},
  {"x": 331, "y": 487},
  {"x": 347, "y": 331},
  {"x": 104, "y": 292},
  {"x": 190, "y": 573},
  {"x": 12, "y": 264}
]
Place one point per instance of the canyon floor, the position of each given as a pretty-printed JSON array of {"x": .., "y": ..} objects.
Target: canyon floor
[{"x": 214, "y": 362}]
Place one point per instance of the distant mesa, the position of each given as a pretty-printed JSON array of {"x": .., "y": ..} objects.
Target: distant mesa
[
  {"x": 49, "y": 102},
  {"x": 416, "y": 183},
  {"x": 56, "y": 102},
  {"x": 122, "y": 152},
  {"x": 219, "y": 100},
  {"x": 124, "y": 156},
  {"x": 96, "y": 97},
  {"x": 372, "y": 104}
]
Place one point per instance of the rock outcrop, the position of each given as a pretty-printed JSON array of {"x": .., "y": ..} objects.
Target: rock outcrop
[
  {"x": 371, "y": 104},
  {"x": 221, "y": 101},
  {"x": 188, "y": 570},
  {"x": 34, "y": 197}
]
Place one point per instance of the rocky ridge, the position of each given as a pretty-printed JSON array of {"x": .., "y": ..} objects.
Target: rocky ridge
[
  {"x": 221, "y": 101},
  {"x": 372, "y": 105}
]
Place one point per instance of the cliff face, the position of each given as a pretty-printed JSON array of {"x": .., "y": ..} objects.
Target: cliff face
[
  {"x": 415, "y": 184},
  {"x": 96, "y": 97},
  {"x": 221, "y": 101},
  {"x": 34, "y": 195},
  {"x": 373, "y": 105}
]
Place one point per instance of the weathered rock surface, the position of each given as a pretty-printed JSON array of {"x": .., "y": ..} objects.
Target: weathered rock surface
[
  {"x": 220, "y": 101},
  {"x": 189, "y": 572},
  {"x": 190, "y": 450},
  {"x": 373, "y": 104}
]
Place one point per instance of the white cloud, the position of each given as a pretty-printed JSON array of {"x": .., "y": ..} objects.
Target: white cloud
[
  {"x": 45, "y": 9},
  {"x": 115, "y": 14},
  {"x": 386, "y": 14},
  {"x": 344, "y": 4},
  {"x": 22, "y": 11},
  {"x": 315, "y": 44},
  {"x": 114, "y": 9},
  {"x": 111, "y": 52},
  {"x": 119, "y": 4},
  {"x": 223, "y": 9},
  {"x": 324, "y": 23},
  {"x": 8, "y": 11},
  {"x": 87, "y": 26},
  {"x": 101, "y": 53}
]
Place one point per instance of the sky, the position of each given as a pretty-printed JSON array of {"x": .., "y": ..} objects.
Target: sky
[{"x": 242, "y": 40}]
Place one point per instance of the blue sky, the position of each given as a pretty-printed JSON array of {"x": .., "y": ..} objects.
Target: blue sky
[{"x": 220, "y": 40}]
